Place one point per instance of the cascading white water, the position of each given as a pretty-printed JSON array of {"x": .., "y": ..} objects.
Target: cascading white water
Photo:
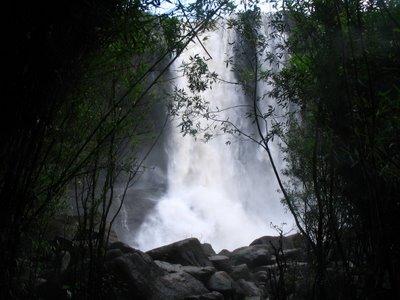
[{"x": 222, "y": 194}]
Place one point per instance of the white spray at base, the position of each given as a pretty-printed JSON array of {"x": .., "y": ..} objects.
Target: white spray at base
[{"x": 226, "y": 195}]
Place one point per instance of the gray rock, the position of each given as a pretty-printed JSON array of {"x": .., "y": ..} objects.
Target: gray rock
[
  {"x": 209, "y": 296},
  {"x": 121, "y": 246},
  {"x": 288, "y": 242},
  {"x": 225, "y": 252},
  {"x": 138, "y": 270},
  {"x": 240, "y": 272},
  {"x": 261, "y": 276},
  {"x": 146, "y": 280},
  {"x": 252, "y": 256},
  {"x": 170, "y": 268},
  {"x": 221, "y": 262},
  {"x": 113, "y": 253},
  {"x": 297, "y": 254},
  {"x": 201, "y": 273},
  {"x": 187, "y": 252},
  {"x": 65, "y": 259},
  {"x": 247, "y": 288},
  {"x": 221, "y": 282},
  {"x": 178, "y": 285},
  {"x": 208, "y": 249}
]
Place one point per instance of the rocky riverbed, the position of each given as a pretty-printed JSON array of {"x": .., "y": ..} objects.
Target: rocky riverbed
[{"x": 187, "y": 269}]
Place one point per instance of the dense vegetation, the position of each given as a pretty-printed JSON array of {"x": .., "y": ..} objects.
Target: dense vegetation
[
  {"x": 343, "y": 147},
  {"x": 84, "y": 72},
  {"x": 81, "y": 114}
]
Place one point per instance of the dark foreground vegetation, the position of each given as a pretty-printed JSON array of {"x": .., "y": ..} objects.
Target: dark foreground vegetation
[{"x": 83, "y": 87}]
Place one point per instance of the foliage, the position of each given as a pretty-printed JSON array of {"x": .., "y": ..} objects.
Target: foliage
[
  {"x": 342, "y": 75},
  {"x": 84, "y": 97}
]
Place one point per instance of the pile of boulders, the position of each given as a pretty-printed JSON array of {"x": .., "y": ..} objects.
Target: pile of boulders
[{"x": 189, "y": 269}]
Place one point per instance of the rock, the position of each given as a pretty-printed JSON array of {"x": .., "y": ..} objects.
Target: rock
[
  {"x": 188, "y": 252},
  {"x": 170, "y": 268},
  {"x": 122, "y": 246},
  {"x": 113, "y": 253},
  {"x": 252, "y": 256},
  {"x": 247, "y": 288},
  {"x": 221, "y": 282},
  {"x": 221, "y": 262},
  {"x": 201, "y": 273},
  {"x": 178, "y": 285},
  {"x": 288, "y": 242},
  {"x": 208, "y": 249},
  {"x": 65, "y": 259},
  {"x": 225, "y": 252},
  {"x": 268, "y": 268},
  {"x": 209, "y": 296},
  {"x": 240, "y": 272},
  {"x": 147, "y": 280},
  {"x": 138, "y": 270},
  {"x": 296, "y": 254},
  {"x": 261, "y": 276},
  {"x": 113, "y": 237}
]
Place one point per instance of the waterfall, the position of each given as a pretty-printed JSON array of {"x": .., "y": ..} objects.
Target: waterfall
[{"x": 222, "y": 193}]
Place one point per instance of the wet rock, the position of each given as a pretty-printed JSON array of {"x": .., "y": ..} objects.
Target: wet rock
[
  {"x": 221, "y": 282},
  {"x": 221, "y": 262},
  {"x": 240, "y": 272},
  {"x": 252, "y": 256},
  {"x": 188, "y": 252}
]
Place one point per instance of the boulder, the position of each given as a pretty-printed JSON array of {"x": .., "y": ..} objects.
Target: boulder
[
  {"x": 296, "y": 254},
  {"x": 288, "y": 242},
  {"x": 138, "y": 270},
  {"x": 247, "y": 288},
  {"x": 146, "y": 280},
  {"x": 121, "y": 246},
  {"x": 209, "y": 296},
  {"x": 178, "y": 285},
  {"x": 208, "y": 249},
  {"x": 65, "y": 259},
  {"x": 221, "y": 282},
  {"x": 252, "y": 256},
  {"x": 221, "y": 262},
  {"x": 188, "y": 252},
  {"x": 113, "y": 253},
  {"x": 170, "y": 268},
  {"x": 201, "y": 273},
  {"x": 240, "y": 272},
  {"x": 261, "y": 276},
  {"x": 225, "y": 252}
]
